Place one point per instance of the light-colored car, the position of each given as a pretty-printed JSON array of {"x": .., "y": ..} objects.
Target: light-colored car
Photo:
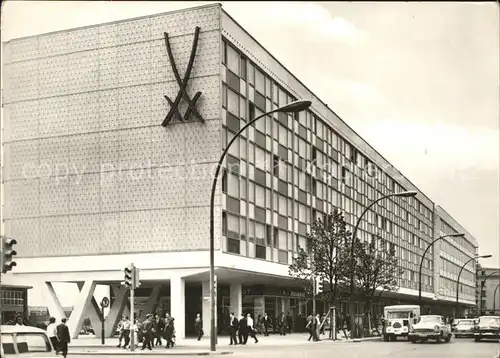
[
  {"x": 487, "y": 327},
  {"x": 25, "y": 341},
  {"x": 464, "y": 328},
  {"x": 430, "y": 328}
]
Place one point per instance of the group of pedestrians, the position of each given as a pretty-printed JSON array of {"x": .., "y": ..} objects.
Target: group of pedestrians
[
  {"x": 241, "y": 328},
  {"x": 59, "y": 336},
  {"x": 283, "y": 323},
  {"x": 149, "y": 332}
]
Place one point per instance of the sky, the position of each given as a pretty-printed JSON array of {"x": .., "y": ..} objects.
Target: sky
[{"x": 419, "y": 81}]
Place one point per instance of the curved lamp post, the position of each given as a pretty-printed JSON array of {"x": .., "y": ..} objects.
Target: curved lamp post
[
  {"x": 422, "y": 261},
  {"x": 494, "y": 298},
  {"x": 293, "y": 107},
  {"x": 460, "y": 273},
  {"x": 483, "y": 282},
  {"x": 404, "y": 194}
]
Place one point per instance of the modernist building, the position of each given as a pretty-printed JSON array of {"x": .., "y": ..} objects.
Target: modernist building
[
  {"x": 93, "y": 181},
  {"x": 488, "y": 291}
]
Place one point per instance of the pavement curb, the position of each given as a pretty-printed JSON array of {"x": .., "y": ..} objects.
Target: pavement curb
[{"x": 149, "y": 353}]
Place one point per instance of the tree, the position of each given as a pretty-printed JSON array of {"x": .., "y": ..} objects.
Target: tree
[
  {"x": 377, "y": 267},
  {"x": 326, "y": 255}
]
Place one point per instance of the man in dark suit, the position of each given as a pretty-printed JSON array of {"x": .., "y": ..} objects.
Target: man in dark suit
[
  {"x": 147, "y": 329},
  {"x": 63, "y": 337},
  {"x": 233, "y": 327},
  {"x": 289, "y": 322},
  {"x": 243, "y": 329},
  {"x": 266, "y": 321}
]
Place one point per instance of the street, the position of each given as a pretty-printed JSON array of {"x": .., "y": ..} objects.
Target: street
[{"x": 465, "y": 348}]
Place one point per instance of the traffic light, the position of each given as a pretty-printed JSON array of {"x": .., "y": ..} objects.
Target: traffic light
[
  {"x": 319, "y": 285},
  {"x": 137, "y": 283},
  {"x": 129, "y": 276},
  {"x": 7, "y": 254}
]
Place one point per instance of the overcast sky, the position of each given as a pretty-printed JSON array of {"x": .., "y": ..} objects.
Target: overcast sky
[{"x": 419, "y": 81}]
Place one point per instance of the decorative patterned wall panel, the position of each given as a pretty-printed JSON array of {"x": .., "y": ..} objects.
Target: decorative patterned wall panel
[
  {"x": 110, "y": 233},
  {"x": 134, "y": 106},
  {"x": 83, "y": 40},
  {"x": 109, "y": 150},
  {"x": 53, "y": 76},
  {"x": 54, "y": 44},
  {"x": 108, "y": 110},
  {"x": 53, "y": 114},
  {"x": 23, "y": 49},
  {"x": 84, "y": 234},
  {"x": 54, "y": 156},
  {"x": 134, "y": 67},
  {"x": 135, "y": 231},
  {"x": 168, "y": 144},
  {"x": 135, "y": 189},
  {"x": 84, "y": 153},
  {"x": 54, "y": 196},
  {"x": 83, "y": 71},
  {"x": 84, "y": 194},
  {"x": 21, "y": 120},
  {"x": 22, "y": 198},
  {"x": 159, "y": 106},
  {"x": 181, "y": 23},
  {"x": 108, "y": 67},
  {"x": 169, "y": 187},
  {"x": 83, "y": 114},
  {"x": 27, "y": 234},
  {"x": 21, "y": 160},
  {"x": 107, "y": 35},
  {"x": 55, "y": 237},
  {"x": 167, "y": 227},
  {"x": 22, "y": 81},
  {"x": 135, "y": 148},
  {"x": 202, "y": 141},
  {"x": 133, "y": 31},
  {"x": 109, "y": 192}
]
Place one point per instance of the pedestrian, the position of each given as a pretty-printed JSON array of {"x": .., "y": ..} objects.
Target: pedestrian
[
  {"x": 243, "y": 329},
  {"x": 63, "y": 337},
  {"x": 126, "y": 332},
  {"x": 282, "y": 324},
  {"x": 289, "y": 322},
  {"x": 148, "y": 334},
  {"x": 52, "y": 333},
  {"x": 317, "y": 325},
  {"x": 266, "y": 322},
  {"x": 198, "y": 326},
  {"x": 169, "y": 332},
  {"x": 233, "y": 327},
  {"x": 159, "y": 327},
  {"x": 120, "y": 331},
  {"x": 251, "y": 329},
  {"x": 309, "y": 327}
]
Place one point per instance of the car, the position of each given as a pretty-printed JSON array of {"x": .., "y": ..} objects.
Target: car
[
  {"x": 25, "y": 341},
  {"x": 464, "y": 328},
  {"x": 487, "y": 327},
  {"x": 432, "y": 327}
]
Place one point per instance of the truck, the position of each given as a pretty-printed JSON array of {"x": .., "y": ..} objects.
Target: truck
[{"x": 398, "y": 320}]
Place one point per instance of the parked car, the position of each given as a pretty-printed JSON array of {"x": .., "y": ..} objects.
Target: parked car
[
  {"x": 487, "y": 327},
  {"x": 26, "y": 341},
  {"x": 430, "y": 328},
  {"x": 464, "y": 328}
]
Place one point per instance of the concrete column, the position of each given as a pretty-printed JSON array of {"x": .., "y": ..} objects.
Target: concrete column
[
  {"x": 178, "y": 305},
  {"x": 116, "y": 310},
  {"x": 235, "y": 299},
  {"x": 93, "y": 313},
  {"x": 205, "y": 314},
  {"x": 81, "y": 306},
  {"x": 52, "y": 302}
]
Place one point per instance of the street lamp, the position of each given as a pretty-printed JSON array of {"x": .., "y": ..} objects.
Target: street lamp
[
  {"x": 293, "y": 107},
  {"x": 483, "y": 282},
  {"x": 422, "y": 261},
  {"x": 460, "y": 273},
  {"x": 403, "y": 194}
]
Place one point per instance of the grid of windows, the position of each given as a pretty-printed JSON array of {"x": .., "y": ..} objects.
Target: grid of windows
[{"x": 292, "y": 169}]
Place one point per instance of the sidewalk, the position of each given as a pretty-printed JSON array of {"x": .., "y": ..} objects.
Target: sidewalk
[{"x": 89, "y": 345}]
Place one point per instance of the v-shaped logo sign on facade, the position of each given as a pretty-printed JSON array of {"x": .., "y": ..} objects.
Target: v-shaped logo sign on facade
[{"x": 174, "y": 105}]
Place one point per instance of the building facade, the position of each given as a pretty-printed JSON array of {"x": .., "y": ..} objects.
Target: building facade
[
  {"x": 93, "y": 180},
  {"x": 488, "y": 291}
]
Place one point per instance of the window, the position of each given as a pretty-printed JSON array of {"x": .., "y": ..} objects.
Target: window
[
  {"x": 283, "y": 205},
  {"x": 232, "y": 225},
  {"x": 233, "y": 59},
  {"x": 260, "y": 83},
  {"x": 233, "y": 184},
  {"x": 243, "y": 68},
  {"x": 260, "y": 233},
  {"x": 260, "y": 158},
  {"x": 276, "y": 165},
  {"x": 233, "y": 246},
  {"x": 32, "y": 342},
  {"x": 233, "y": 102},
  {"x": 260, "y": 196},
  {"x": 260, "y": 252}
]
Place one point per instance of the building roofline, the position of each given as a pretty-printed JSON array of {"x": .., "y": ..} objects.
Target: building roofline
[
  {"x": 116, "y": 21},
  {"x": 396, "y": 171},
  {"x": 440, "y": 208}
]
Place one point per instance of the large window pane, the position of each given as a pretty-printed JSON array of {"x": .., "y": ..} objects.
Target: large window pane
[
  {"x": 233, "y": 184},
  {"x": 260, "y": 158},
  {"x": 233, "y": 102},
  {"x": 260, "y": 233},
  {"x": 282, "y": 240},
  {"x": 283, "y": 206},
  {"x": 260, "y": 196},
  {"x": 233, "y": 59},
  {"x": 260, "y": 84},
  {"x": 232, "y": 225},
  {"x": 283, "y": 135}
]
